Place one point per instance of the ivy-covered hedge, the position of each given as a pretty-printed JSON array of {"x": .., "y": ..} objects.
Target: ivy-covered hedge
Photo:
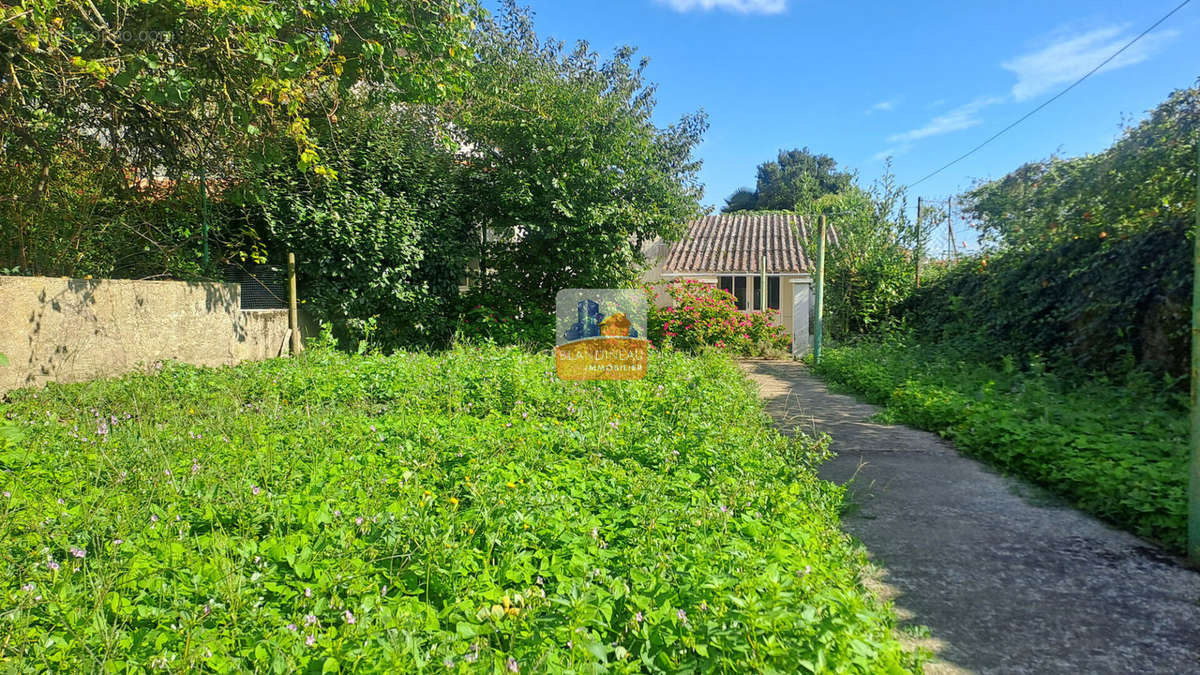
[{"x": 1094, "y": 304}]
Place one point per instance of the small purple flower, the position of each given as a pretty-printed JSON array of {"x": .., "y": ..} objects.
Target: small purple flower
[
  {"x": 153, "y": 518},
  {"x": 28, "y": 588},
  {"x": 307, "y": 592},
  {"x": 291, "y": 627},
  {"x": 703, "y": 606},
  {"x": 255, "y": 490},
  {"x": 639, "y": 617},
  {"x": 513, "y": 667},
  {"x": 52, "y": 565},
  {"x": 682, "y": 616},
  {"x": 309, "y": 619},
  {"x": 724, "y": 509},
  {"x": 310, "y": 640},
  {"x": 383, "y": 591},
  {"x": 349, "y": 617},
  {"x": 167, "y": 472},
  {"x": 78, "y": 552},
  {"x": 195, "y": 467},
  {"x": 358, "y": 521},
  {"x": 7, "y": 494}
]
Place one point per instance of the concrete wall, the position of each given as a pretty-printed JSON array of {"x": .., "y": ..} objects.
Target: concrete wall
[{"x": 67, "y": 330}]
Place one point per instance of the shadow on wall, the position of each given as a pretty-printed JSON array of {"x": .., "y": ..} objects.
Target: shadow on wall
[{"x": 67, "y": 330}]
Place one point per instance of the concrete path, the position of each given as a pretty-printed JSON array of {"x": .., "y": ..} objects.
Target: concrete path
[{"x": 1007, "y": 579}]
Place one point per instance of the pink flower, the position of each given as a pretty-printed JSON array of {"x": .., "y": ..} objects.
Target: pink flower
[
  {"x": 310, "y": 640},
  {"x": 255, "y": 490},
  {"x": 349, "y": 617},
  {"x": 513, "y": 666},
  {"x": 78, "y": 552}
]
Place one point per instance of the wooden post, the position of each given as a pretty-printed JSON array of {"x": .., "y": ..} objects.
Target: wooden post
[
  {"x": 917, "y": 245},
  {"x": 819, "y": 322},
  {"x": 293, "y": 314}
]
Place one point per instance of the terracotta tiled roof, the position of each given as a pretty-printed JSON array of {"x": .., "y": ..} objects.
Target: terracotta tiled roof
[{"x": 735, "y": 243}]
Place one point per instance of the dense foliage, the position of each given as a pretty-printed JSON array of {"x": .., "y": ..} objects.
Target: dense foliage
[
  {"x": 702, "y": 316},
  {"x": 1118, "y": 453},
  {"x": 569, "y": 173},
  {"x": 1091, "y": 305},
  {"x": 103, "y": 93},
  {"x": 380, "y": 250},
  {"x": 793, "y": 180},
  {"x": 869, "y": 266},
  {"x": 466, "y": 512},
  {"x": 1093, "y": 266},
  {"x": 1148, "y": 177}
]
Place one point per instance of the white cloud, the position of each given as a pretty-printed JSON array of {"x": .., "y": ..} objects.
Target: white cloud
[
  {"x": 740, "y": 6},
  {"x": 883, "y": 106},
  {"x": 894, "y": 151},
  {"x": 1069, "y": 58},
  {"x": 962, "y": 117}
]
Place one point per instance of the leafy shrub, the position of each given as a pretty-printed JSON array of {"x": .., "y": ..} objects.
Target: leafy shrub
[
  {"x": 1092, "y": 305},
  {"x": 463, "y": 512},
  {"x": 703, "y": 316},
  {"x": 1117, "y": 452},
  {"x": 380, "y": 250}
]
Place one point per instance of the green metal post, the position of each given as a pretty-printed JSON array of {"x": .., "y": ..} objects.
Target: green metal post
[
  {"x": 819, "y": 324},
  {"x": 762, "y": 283},
  {"x": 1194, "y": 482}
]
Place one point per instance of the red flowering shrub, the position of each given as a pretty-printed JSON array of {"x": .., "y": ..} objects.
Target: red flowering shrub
[{"x": 704, "y": 316}]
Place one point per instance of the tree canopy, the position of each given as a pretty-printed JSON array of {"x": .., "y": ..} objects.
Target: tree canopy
[
  {"x": 569, "y": 172},
  {"x": 794, "y": 179}
]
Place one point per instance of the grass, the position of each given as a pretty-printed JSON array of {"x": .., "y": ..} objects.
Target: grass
[
  {"x": 458, "y": 512},
  {"x": 1118, "y": 452}
]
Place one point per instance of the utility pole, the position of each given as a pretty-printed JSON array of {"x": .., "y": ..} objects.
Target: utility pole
[
  {"x": 950, "y": 229},
  {"x": 819, "y": 324},
  {"x": 1194, "y": 482},
  {"x": 917, "y": 247}
]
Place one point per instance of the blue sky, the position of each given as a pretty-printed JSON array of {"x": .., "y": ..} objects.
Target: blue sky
[{"x": 923, "y": 82}]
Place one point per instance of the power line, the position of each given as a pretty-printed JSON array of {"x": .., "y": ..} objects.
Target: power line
[{"x": 1053, "y": 98}]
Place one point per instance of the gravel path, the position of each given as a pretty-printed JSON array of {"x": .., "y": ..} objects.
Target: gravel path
[{"x": 1007, "y": 579}]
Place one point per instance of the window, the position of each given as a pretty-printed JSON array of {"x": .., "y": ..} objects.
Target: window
[
  {"x": 736, "y": 286},
  {"x": 751, "y": 295}
]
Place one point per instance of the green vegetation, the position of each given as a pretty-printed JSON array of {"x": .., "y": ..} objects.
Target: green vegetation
[
  {"x": 703, "y": 317},
  {"x": 1118, "y": 453},
  {"x": 96, "y": 95},
  {"x": 1092, "y": 271},
  {"x": 793, "y": 180},
  {"x": 399, "y": 148},
  {"x": 459, "y": 512}
]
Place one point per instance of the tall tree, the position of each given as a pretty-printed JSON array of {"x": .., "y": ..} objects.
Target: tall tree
[
  {"x": 794, "y": 180},
  {"x": 569, "y": 169},
  {"x": 188, "y": 88}
]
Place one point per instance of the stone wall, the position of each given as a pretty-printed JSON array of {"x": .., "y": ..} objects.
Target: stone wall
[{"x": 67, "y": 330}]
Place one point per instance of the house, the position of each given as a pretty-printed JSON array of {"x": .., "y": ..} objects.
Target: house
[{"x": 731, "y": 251}]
